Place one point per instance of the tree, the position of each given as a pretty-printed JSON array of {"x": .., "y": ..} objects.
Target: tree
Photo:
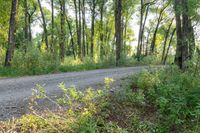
[
  {"x": 170, "y": 42},
  {"x": 140, "y": 30},
  {"x": 165, "y": 40},
  {"x": 44, "y": 25},
  {"x": 78, "y": 31},
  {"x": 62, "y": 30},
  {"x": 11, "y": 36},
  {"x": 185, "y": 33},
  {"x": 52, "y": 25},
  {"x": 26, "y": 21},
  {"x": 72, "y": 38},
  {"x": 93, "y": 9},
  {"x": 83, "y": 28},
  {"x": 102, "y": 4},
  {"x": 30, "y": 15},
  {"x": 144, "y": 8},
  {"x": 178, "y": 56},
  {"x": 118, "y": 29},
  {"x": 160, "y": 18}
]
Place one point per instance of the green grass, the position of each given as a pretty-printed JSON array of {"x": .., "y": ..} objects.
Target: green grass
[
  {"x": 16, "y": 72},
  {"x": 42, "y": 65},
  {"x": 37, "y": 62}
]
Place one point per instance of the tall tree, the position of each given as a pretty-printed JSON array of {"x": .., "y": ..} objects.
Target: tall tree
[
  {"x": 160, "y": 18},
  {"x": 102, "y": 4},
  {"x": 191, "y": 39},
  {"x": 80, "y": 30},
  {"x": 72, "y": 38},
  {"x": 140, "y": 30},
  {"x": 165, "y": 40},
  {"x": 178, "y": 56},
  {"x": 30, "y": 15},
  {"x": 170, "y": 42},
  {"x": 11, "y": 34},
  {"x": 44, "y": 25},
  {"x": 83, "y": 28},
  {"x": 52, "y": 24},
  {"x": 62, "y": 30},
  {"x": 118, "y": 29},
  {"x": 26, "y": 21},
  {"x": 93, "y": 9},
  {"x": 144, "y": 8},
  {"x": 185, "y": 33}
]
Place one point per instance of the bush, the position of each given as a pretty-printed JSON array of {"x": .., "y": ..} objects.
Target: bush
[
  {"x": 151, "y": 59},
  {"x": 80, "y": 116},
  {"x": 2, "y": 56},
  {"x": 176, "y": 95},
  {"x": 31, "y": 62},
  {"x": 34, "y": 61}
]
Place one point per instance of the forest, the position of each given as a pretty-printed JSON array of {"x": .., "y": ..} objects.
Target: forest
[
  {"x": 96, "y": 32},
  {"x": 55, "y": 36}
]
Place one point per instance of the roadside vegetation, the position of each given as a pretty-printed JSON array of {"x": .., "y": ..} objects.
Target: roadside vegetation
[
  {"x": 78, "y": 35},
  {"x": 161, "y": 100},
  {"x": 35, "y": 62}
]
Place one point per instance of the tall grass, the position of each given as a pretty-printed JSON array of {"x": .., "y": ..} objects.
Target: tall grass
[{"x": 34, "y": 61}]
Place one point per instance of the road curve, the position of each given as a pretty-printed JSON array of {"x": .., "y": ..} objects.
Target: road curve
[{"x": 13, "y": 91}]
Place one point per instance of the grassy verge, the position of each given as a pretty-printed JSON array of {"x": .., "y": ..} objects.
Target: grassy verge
[{"x": 42, "y": 65}]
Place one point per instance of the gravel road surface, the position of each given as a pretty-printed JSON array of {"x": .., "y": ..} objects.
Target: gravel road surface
[{"x": 15, "y": 92}]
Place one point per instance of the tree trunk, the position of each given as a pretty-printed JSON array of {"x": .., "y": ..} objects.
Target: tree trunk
[
  {"x": 143, "y": 26},
  {"x": 11, "y": 34},
  {"x": 87, "y": 41},
  {"x": 30, "y": 14},
  {"x": 185, "y": 34},
  {"x": 160, "y": 18},
  {"x": 29, "y": 29},
  {"x": 147, "y": 43},
  {"x": 153, "y": 43},
  {"x": 185, "y": 31},
  {"x": 44, "y": 25},
  {"x": 76, "y": 19},
  {"x": 192, "y": 39},
  {"x": 62, "y": 30},
  {"x": 80, "y": 43},
  {"x": 101, "y": 29},
  {"x": 118, "y": 30},
  {"x": 92, "y": 27},
  {"x": 52, "y": 25},
  {"x": 83, "y": 27},
  {"x": 77, "y": 29},
  {"x": 170, "y": 42},
  {"x": 165, "y": 41},
  {"x": 140, "y": 31},
  {"x": 125, "y": 34},
  {"x": 72, "y": 38},
  {"x": 178, "y": 56},
  {"x": 26, "y": 22}
]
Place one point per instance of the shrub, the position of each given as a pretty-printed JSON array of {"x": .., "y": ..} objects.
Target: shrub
[
  {"x": 176, "y": 95},
  {"x": 2, "y": 56},
  {"x": 80, "y": 115},
  {"x": 33, "y": 61}
]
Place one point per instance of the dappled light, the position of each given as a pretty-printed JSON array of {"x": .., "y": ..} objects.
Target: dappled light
[{"x": 99, "y": 66}]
